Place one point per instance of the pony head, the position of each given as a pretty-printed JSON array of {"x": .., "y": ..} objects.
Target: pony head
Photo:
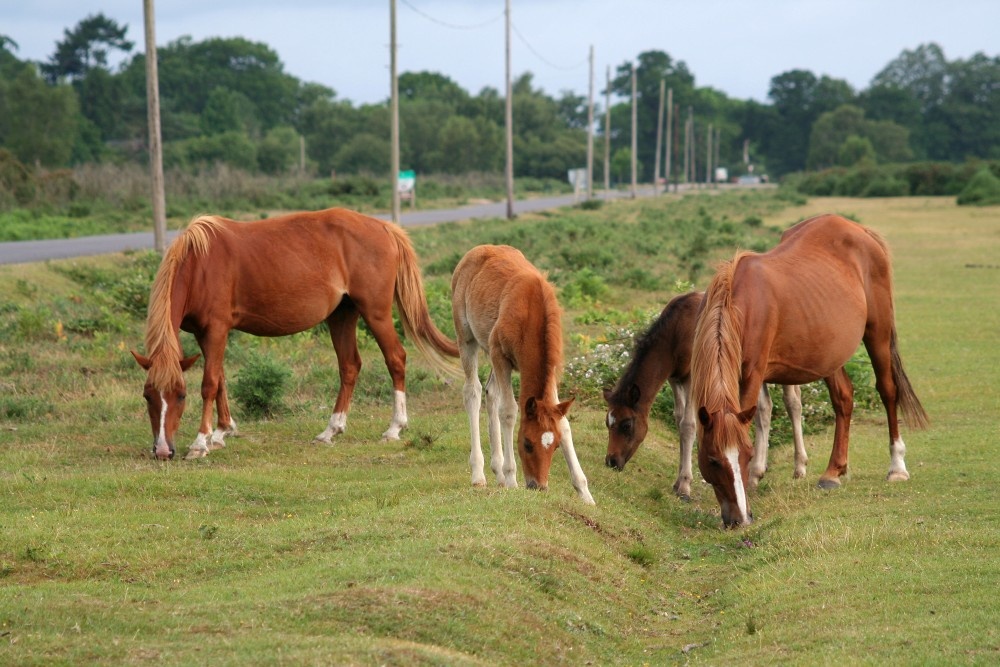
[
  {"x": 627, "y": 425},
  {"x": 165, "y": 394},
  {"x": 724, "y": 453},
  {"x": 538, "y": 437}
]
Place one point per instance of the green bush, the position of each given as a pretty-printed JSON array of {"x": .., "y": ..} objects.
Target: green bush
[
  {"x": 260, "y": 387},
  {"x": 982, "y": 190}
]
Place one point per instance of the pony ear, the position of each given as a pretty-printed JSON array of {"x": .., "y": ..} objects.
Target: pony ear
[
  {"x": 746, "y": 416},
  {"x": 141, "y": 360},
  {"x": 633, "y": 395},
  {"x": 705, "y": 418},
  {"x": 608, "y": 393},
  {"x": 531, "y": 409},
  {"x": 563, "y": 408},
  {"x": 189, "y": 362}
]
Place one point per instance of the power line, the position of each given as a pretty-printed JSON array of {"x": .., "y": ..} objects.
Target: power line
[
  {"x": 453, "y": 26},
  {"x": 543, "y": 58}
]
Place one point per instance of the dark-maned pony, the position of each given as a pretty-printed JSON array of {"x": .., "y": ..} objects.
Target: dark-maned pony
[
  {"x": 663, "y": 354},
  {"x": 277, "y": 277},
  {"x": 505, "y": 306},
  {"x": 793, "y": 315}
]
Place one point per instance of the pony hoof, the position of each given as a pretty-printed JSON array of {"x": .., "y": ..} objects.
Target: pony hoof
[
  {"x": 828, "y": 483},
  {"x": 479, "y": 485},
  {"x": 216, "y": 444},
  {"x": 897, "y": 476},
  {"x": 196, "y": 454}
]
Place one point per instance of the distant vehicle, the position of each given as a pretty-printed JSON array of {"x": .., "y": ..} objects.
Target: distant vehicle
[{"x": 749, "y": 179}]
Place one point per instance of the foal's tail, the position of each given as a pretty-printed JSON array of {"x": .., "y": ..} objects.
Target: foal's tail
[
  {"x": 411, "y": 302},
  {"x": 906, "y": 398}
]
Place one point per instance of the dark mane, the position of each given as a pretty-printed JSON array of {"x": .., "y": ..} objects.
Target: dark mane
[{"x": 646, "y": 343}]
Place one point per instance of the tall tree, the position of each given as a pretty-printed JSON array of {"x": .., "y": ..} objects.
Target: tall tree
[
  {"x": 799, "y": 98},
  {"x": 86, "y": 47}
]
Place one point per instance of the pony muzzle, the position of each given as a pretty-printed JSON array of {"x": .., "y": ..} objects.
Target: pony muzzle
[
  {"x": 532, "y": 483},
  {"x": 163, "y": 451},
  {"x": 616, "y": 461}
]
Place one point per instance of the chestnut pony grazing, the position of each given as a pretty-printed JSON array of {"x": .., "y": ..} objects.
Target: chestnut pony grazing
[
  {"x": 663, "y": 354},
  {"x": 504, "y": 305},
  {"x": 277, "y": 277},
  {"x": 793, "y": 315}
]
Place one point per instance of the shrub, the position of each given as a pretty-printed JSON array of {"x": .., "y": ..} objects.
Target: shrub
[
  {"x": 982, "y": 190},
  {"x": 260, "y": 386}
]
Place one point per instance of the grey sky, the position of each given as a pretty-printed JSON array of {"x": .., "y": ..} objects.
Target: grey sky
[{"x": 735, "y": 46}]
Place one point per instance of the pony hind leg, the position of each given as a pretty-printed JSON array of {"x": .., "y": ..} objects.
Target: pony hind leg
[
  {"x": 343, "y": 325},
  {"x": 842, "y": 400},
  {"x": 792, "y": 396},
  {"x": 379, "y": 320},
  {"x": 502, "y": 409},
  {"x": 885, "y": 384},
  {"x": 684, "y": 415},
  {"x": 472, "y": 398}
]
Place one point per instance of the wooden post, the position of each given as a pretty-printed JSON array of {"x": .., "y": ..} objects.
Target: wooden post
[
  {"x": 394, "y": 113},
  {"x": 509, "y": 122},
  {"x": 670, "y": 118},
  {"x": 659, "y": 141},
  {"x": 607, "y": 133},
  {"x": 590, "y": 128},
  {"x": 155, "y": 141},
  {"x": 635, "y": 134}
]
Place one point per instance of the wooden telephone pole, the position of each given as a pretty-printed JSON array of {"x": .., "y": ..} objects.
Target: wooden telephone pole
[
  {"x": 509, "y": 122},
  {"x": 659, "y": 141},
  {"x": 155, "y": 141},
  {"x": 590, "y": 128},
  {"x": 394, "y": 113},
  {"x": 607, "y": 133}
]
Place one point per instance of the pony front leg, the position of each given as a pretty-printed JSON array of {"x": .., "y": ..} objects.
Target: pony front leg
[
  {"x": 226, "y": 425},
  {"x": 210, "y": 384},
  {"x": 576, "y": 476},
  {"x": 762, "y": 433},
  {"x": 684, "y": 415}
]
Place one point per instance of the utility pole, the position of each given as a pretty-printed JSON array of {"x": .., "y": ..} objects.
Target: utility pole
[
  {"x": 590, "y": 128},
  {"x": 394, "y": 113},
  {"x": 670, "y": 118},
  {"x": 155, "y": 141},
  {"x": 659, "y": 141},
  {"x": 509, "y": 121},
  {"x": 607, "y": 133},
  {"x": 708, "y": 155},
  {"x": 635, "y": 138}
]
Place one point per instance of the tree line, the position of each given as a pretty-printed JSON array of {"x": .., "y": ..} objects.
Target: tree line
[{"x": 229, "y": 100}]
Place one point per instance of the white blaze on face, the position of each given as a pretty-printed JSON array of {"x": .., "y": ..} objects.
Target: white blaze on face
[
  {"x": 161, "y": 438},
  {"x": 741, "y": 495},
  {"x": 547, "y": 439},
  {"x": 611, "y": 419}
]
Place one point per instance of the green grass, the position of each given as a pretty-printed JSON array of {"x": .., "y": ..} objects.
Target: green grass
[{"x": 279, "y": 551}]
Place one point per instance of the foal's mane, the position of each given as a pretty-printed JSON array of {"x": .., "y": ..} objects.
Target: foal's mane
[
  {"x": 646, "y": 342},
  {"x": 552, "y": 348},
  {"x": 717, "y": 355},
  {"x": 162, "y": 343}
]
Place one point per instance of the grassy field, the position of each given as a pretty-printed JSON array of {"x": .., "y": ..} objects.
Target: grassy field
[{"x": 279, "y": 551}]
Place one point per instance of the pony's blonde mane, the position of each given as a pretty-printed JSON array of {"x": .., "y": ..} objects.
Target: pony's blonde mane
[
  {"x": 552, "y": 336},
  {"x": 162, "y": 343},
  {"x": 718, "y": 354}
]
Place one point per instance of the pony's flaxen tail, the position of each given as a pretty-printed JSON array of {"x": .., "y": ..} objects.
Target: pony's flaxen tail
[
  {"x": 906, "y": 398},
  {"x": 411, "y": 302}
]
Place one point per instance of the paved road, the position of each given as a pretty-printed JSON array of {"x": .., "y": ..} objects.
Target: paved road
[{"x": 19, "y": 252}]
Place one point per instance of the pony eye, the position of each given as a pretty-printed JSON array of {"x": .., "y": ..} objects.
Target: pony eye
[
  {"x": 181, "y": 398},
  {"x": 148, "y": 398},
  {"x": 528, "y": 447},
  {"x": 627, "y": 427}
]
